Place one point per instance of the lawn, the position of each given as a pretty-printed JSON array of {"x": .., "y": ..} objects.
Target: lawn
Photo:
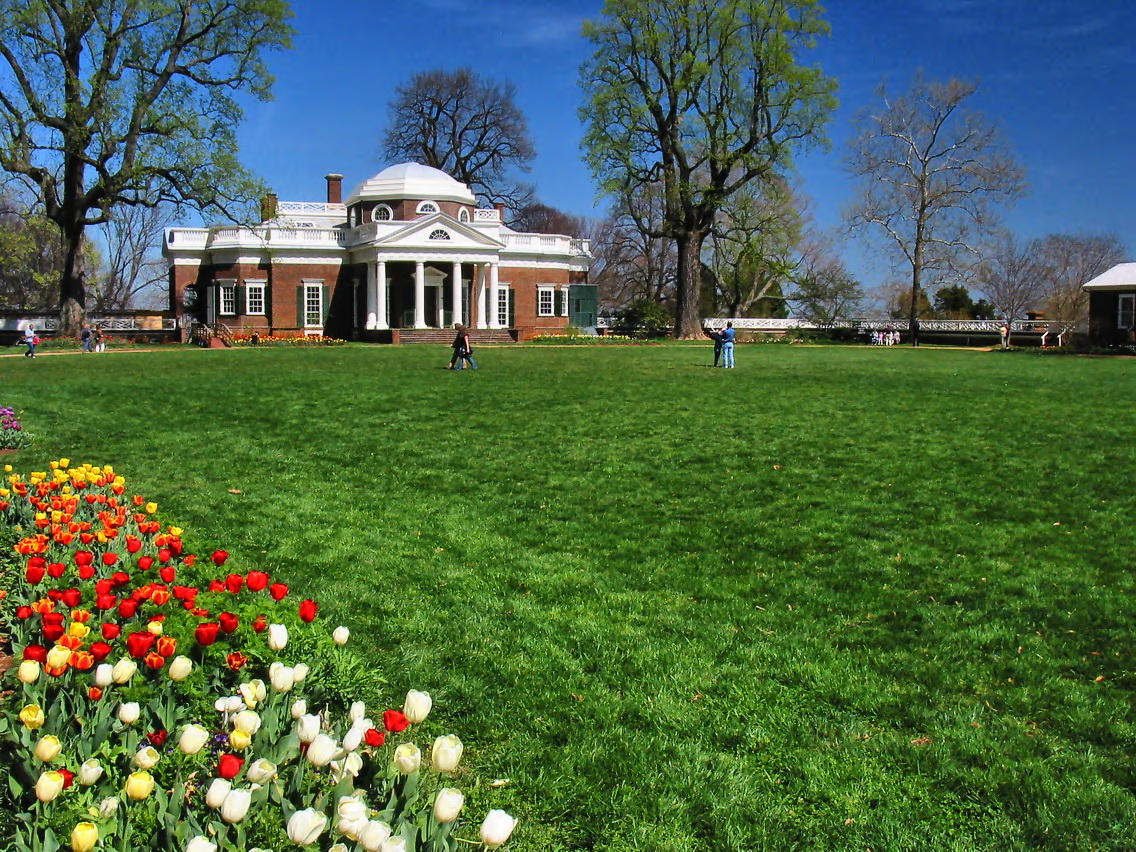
[{"x": 836, "y": 598}]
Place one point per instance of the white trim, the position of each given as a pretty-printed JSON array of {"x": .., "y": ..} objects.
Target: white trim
[
  {"x": 375, "y": 213},
  {"x": 310, "y": 285},
  {"x": 543, "y": 290},
  {"x": 1121, "y": 310},
  {"x": 224, "y": 284},
  {"x": 427, "y": 203},
  {"x": 260, "y": 284}
]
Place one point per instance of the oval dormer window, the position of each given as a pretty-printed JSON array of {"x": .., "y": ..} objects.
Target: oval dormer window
[
  {"x": 382, "y": 213},
  {"x": 439, "y": 234},
  {"x": 427, "y": 207},
  {"x": 463, "y": 215}
]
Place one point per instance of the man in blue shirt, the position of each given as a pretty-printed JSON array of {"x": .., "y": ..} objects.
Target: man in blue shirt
[{"x": 728, "y": 346}]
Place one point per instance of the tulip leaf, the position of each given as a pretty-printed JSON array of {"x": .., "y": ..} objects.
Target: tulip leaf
[
  {"x": 14, "y": 786},
  {"x": 50, "y": 843}
]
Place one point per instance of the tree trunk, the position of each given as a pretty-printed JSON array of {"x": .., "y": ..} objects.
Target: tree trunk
[
  {"x": 688, "y": 323},
  {"x": 73, "y": 289}
]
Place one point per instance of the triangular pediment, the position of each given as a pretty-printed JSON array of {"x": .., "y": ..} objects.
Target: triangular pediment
[{"x": 425, "y": 233}]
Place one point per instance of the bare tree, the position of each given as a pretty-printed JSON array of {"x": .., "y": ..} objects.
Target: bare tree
[
  {"x": 1064, "y": 263},
  {"x": 468, "y": 126},
  {"x": 1009, "y": 276},
  {"x": 133, "y": 268},
  {"x": 823, "y": 290},
  {"x": 931, "y": 174},
  {"x": 538, "y": 218}
]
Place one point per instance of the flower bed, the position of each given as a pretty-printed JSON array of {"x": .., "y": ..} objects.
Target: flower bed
[
  {"x": 299, "y": 340},
  {"x": 12, "y": 434},
  {"x": 163, "y": 701}
]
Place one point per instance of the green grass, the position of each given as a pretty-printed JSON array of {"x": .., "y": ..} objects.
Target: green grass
[{"x": 837, "y": 598}]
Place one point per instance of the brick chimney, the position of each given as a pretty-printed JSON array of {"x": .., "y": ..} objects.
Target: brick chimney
[
  {"x": 334, "y": 189},
  {"x": 500, "y": 205},
  {"x": 268, "y": 207}
]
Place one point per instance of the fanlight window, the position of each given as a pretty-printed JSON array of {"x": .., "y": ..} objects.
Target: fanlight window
[
  {"x": 439, "y": 234},
  {"x": 427, "y": 207}
]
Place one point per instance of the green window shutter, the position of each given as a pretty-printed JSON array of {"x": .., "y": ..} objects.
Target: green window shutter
[
  {"x": 559, "y": 302},
  {"x": 239, "y": 306},
  {"x": 512, "y": 311},
  {"x": 300, "y": 306}
]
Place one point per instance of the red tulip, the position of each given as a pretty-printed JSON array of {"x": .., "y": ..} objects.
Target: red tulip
[
  {"x": 51, "y": 632},
  {"x": 23, "y": 612},
  {"x": 236, "y": 661},
  {"x": 82, "y": 660},
  {"x": 37, "y": 562},
  {"x": 86, "y": 572},
  {"x": 110, "y": 630},
  {"x": 68, "y": 777},
  {"x": 158, "y": 738},
  {"x": 234, "y": 582},
  {"x": 144, "y": 562},
  {"x": 219, "y": 557},
  {"x": 257, "y": 581},
  {"x": 127, "y": 608},
  {"x": 100, "y": 651},
  {"x": 120, "y": 578},
  {"x": 308, "y": 610},
  {"x": 278, "y": 591},
  {"x": 103, "y": 587},
  {"x": 216, "y": 586},
  {"x": 94, "y": 693},
  {"x": 154, "y": 660},
  {"x": 109, "y": 559},
  {"x": 375, "y": 737},
  {"x": 138, "y": 644},
  {"x": 34, "y": 574},
  {"x": 228, "y": 622},
  {"x": 35, "y": 652},
  {"x": 167, "y": 646},
  {"x": 105, "y": 601},
  {"x": 71, "y": 597},
  {"x": 84, "y": 557},
  {"x": 164, "y": 555},
  {"x": 206, "y": 633},
  {"x": 261, "y": 624},
  {"x": 167, "y": 573},
  {"x": 55, "y": 570},
  {"x": 229, "y": 766},
  {"x": 395, "y": 721},
  {"x": 133, "y": 544}
]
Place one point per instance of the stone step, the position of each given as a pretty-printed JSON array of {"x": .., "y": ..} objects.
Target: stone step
[{"x": 446, "y": 335}]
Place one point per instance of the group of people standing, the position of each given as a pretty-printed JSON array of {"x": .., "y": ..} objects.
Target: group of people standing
[
  {"x": 92, "y": 340},
  {"x": 723, "y": 345}
]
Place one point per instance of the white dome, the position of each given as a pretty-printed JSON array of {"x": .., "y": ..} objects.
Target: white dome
[{"x": 411, "y": 180}]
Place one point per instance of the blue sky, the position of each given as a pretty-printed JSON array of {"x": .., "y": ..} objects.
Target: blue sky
[{"x": 1059, "y": 76}]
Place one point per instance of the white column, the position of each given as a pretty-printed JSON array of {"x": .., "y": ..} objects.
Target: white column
[
  {"x": 372, "y": 298},
  {"x": 381, "y": 295},
  {"x": 564, "y": 300},
  {"x": 456, "y": 292},
  {"x": 493, "y": 296},
  {"x": 479, "y": 283},
  {"x": 419, "y": 295}
]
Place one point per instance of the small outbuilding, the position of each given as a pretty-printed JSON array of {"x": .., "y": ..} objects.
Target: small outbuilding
[{"x": 1112, "y": 306}]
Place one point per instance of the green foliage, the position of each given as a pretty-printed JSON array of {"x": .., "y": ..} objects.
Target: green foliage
[
  {"x": 837, "y": 598},
  {"x": 642, "y": 318}
]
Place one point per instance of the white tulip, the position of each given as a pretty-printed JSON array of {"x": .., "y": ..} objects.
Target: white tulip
[
  {"x": 448, "y": 804},
  {"x": 283, "y": 679},
  {"x": 236, "y": 806},
  {"x": 108, "y": 806},
  {"x": 340, "y": 635},
  {"x": 29, "y": 671},
  {"x": 352, "y": 739},
  {"x": 393, "y": 844},
  {"x": 358, "y": 710},
  {"x": 350, "y": 765},
  {"x": 221, "y": 705},
  {"x": 128, "y": 713},
  {"x": 234, "y": 704},
  {"x": 200, "y": 844},
  {"x": 253, "y": 693},
  {"x": 338, "y": 847},
  {"x": 322, "y": 750},
  {"x": 417, "y": 705},
  {"x": 299, "y": 708},
  {"x": 351, "y": 817},
  {"x": 218, "y": 790},
  {"x": 277, "y": 636},
  {"x": 496, "y": 828},
  {"x": 49, "y": 785},
  {"x": 146, "y": 758},
  {"x": 260, "y": 771},
  {"x": 47, "y": 748},
  {"x": 446, "y": 753},
  {"x": 123, "y": 670},
  {"x": 407, "y": 758},
  {"x": 180, "y": 668},
  {"x": 374, "y": 835},
  {"x": 307, "y": 727},
  {"x": 104, "y": 675},
  {"x": 300, "y": 672},
  {"x": 58, "y": 657},
  {"x": 305, "y": 826},
  {"x": 247, "y": 721},
  {"x": 193, "y": 738},
  {"x": 89, "y": 773}
]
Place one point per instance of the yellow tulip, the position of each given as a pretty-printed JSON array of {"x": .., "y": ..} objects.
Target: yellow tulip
[
  {"x": 176, "y": 530},
  {"x": 32, "y": 717},
  {"x": 58, "y": 657},
  {"x": 65, "y": 462},
  {"x": 48, "y": 748},
  {"x": 84, "y": 836},
  {"x": 29, "y": 671},
  {"x": 240, "y": 740},
  {"x": 78, "y": 629},
  {"x": 151, "y": 508},
  {"x": 139, "y": 785}
]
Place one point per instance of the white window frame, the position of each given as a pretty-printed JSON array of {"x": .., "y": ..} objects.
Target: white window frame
[
  {"x": 379, "y": 209},
  {"x": 439, "y": 234},
  {"x": 257, "y": 288},
  {"x": 1126, "y": 310},
  {"x": 545, "y": 300},
  {"x": 504, "y": 301},
  {"x": 463, "y": 215},
  {"x": 311, "y": 287},
  {"x": 428, "y": 206},
  {"x": 227, "y": 298}
]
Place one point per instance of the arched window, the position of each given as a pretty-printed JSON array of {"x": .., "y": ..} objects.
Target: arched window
[
  {"x": 351, "y": 217},
  {"x": 382, "y": 213},
  {"x": 427, "y": 207},
  {"x": 439, "y": 234},
  {"x": 463, "y": 215}
]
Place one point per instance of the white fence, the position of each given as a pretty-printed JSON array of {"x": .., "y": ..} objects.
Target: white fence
[{"x": 778, "y": 324}]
